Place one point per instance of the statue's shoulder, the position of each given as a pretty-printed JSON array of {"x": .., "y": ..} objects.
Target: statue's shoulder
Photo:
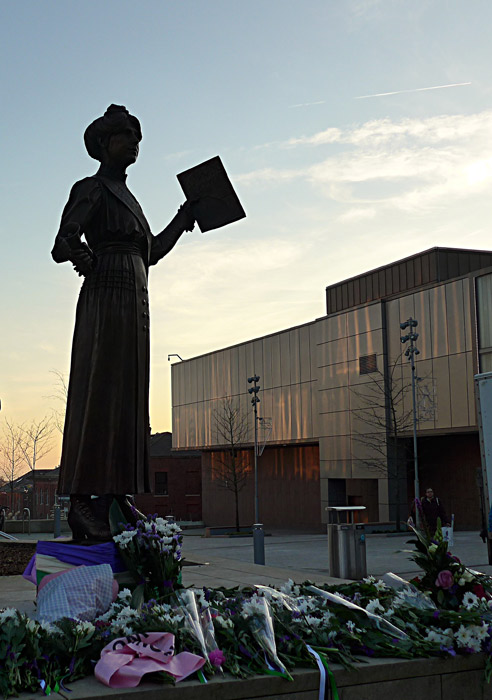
[{"x": 87, "y": 187}]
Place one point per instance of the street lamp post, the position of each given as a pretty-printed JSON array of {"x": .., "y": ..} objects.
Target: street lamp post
[
  {"x": 258, "y": 533},
  {"x": 410, "y": 353}
]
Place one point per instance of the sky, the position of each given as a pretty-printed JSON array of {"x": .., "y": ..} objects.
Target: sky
[{"x": 356, "y": 133}]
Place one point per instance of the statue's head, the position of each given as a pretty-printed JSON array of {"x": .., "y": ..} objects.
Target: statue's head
[{"x": 116, "y": 120}]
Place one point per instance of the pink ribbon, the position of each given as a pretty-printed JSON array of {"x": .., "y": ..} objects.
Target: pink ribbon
[{"x": 125, "y": 660}]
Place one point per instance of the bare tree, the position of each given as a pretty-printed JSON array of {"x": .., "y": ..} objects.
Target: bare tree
[
  {"x": 35, "y": 443},
  {"x": 12, "y": 458},
  {"x": 230, "y": 466},
  {"x": 384, "y": 414},
  {"x": 60, "y": 395}
]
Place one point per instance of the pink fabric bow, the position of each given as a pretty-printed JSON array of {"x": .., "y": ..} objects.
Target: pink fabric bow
[{"x": 125, "y": 660}]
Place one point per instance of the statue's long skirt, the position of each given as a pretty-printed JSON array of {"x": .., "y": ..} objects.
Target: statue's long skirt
[{"x": 105, "y": 442}]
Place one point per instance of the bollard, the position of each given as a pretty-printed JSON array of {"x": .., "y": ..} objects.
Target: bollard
[
  {"x": 259, "y": 543},
  {"x": 57, "y": 522}
]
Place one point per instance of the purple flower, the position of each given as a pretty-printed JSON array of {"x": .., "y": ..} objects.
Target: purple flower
[
  {"x": 167, "y": 584},
  {"x": 216, "y": 657},
  {"x": 244, "y": 651},
  {"x": 72, "y": 664},
  {"x": 444, "y": 579},
  {"x": 435, "y": 614},
  {"x": 448, "y": 650}
]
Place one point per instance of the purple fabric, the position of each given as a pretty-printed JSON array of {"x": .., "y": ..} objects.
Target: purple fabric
[
  {"x": 104, "y": 553},
  {"x": 30, "y": 570}
]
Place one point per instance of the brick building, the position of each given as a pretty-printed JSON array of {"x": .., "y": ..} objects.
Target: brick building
[
  {"x": 175, "y": 479},
  {"x": 34, "y": 490}
]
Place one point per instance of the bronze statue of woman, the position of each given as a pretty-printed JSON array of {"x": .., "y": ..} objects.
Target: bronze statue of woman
[{"x": 106, "y": 434}]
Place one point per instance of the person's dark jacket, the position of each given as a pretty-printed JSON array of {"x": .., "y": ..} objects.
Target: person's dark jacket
[{"x": 432, "y": 510}]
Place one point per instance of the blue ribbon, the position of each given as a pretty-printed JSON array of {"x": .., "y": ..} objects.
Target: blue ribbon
[{"x": 322, "y": 672}]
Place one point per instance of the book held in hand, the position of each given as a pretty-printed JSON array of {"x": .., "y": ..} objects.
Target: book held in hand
[{"x": 213, "y": 198}]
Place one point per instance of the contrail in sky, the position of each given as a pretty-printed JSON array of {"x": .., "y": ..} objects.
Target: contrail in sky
[
  {"x": 401, "y": 92},
  {"x": 308, "y": 104}
]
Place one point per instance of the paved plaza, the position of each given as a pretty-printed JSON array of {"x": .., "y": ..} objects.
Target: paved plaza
[{"x": 308, "y": 552}]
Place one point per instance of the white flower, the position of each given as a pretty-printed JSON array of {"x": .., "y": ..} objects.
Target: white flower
[
  {"x": 380, "y": 585},
  {"x": 440, "y": 637},
  {"x": 481, "y": 632},
  {"x": 432, "y": 548},
  {"x": 374, "y": 606},
  {"x": 124, "y": 539},
  {"x": 224, "y": 622},
  {"x": 463, "y": 636},
  {"x": 200, "y": 597},
  {"x": 290, "y": 588},
  {"x": 461, "y": 582},
  {"x": 389, "y": 612},
  {"x": 369, "y": 579},
  {"x": 327, "y": 616},
  {"x": 470, "y": 601},
  {"x": 475, "y": 644},
  {"x": 84, "y": 628},
  {"x": 351, "y": 626},
  {"x": 161, "y": 609},
  {"x": 314, "y": 621},
  {"x": 31, "y": 626},
  {"x": 468, "y": 576},
  {"x": 124, "y": 595},
  {"x": 254, "y": 606},
  {"x": 128, "y": 612},
  {"x": 304, "y": 605},
  {"x": 9, "y": 614},
  {"x": 48, "y": 627}
]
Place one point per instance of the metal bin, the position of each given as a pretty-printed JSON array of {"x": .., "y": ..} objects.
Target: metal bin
[{"x": 346, "y": 543}]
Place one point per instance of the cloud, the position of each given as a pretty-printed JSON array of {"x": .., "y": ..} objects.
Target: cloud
[
  {"x": 430, "y": 130},
  {"x": 408, "y": 164}
]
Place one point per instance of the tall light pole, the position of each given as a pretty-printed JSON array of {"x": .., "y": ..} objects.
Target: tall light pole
[
  {"x": 258, "y": 534},
  {"x": 410, "y": 353}
]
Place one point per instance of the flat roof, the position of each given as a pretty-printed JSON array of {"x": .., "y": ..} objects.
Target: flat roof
[{"x": 432, "y": 265}]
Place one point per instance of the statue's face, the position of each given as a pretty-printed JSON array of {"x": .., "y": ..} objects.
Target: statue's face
[{"x": 122, "y": 148}]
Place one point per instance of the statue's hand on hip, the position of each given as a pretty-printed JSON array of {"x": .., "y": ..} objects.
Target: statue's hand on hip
[{"x": 83, "y": 260}]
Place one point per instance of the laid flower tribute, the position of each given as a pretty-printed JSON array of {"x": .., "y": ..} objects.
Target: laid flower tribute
[
  {"x": 256, "y": 630},
  {"x": 151, "y": 550}
]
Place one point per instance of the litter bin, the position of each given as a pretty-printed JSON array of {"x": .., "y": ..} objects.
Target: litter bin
[{"x": 346, "y": 543}]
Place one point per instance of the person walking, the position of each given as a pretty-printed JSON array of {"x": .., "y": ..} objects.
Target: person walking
[{"x": 431, "y": 509}]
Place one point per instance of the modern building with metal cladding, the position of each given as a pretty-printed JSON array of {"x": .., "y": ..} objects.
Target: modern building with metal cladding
[{"x": 337, "y": 395}]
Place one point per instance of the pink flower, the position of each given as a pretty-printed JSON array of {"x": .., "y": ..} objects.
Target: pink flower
[
  {"x": 216, "y": 657},
  {"x": 445, "y": 579}
]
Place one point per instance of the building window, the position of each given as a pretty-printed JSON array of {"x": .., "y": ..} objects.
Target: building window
[
  {"x": 193, "y": 483},
  {"x": 368, "y": 364},
  {"x": 484, "y": 309},
  {"x": 160, "y": 484}
]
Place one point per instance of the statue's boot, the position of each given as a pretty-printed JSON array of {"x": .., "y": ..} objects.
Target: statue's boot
[{"x": 84, "y": 524}]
